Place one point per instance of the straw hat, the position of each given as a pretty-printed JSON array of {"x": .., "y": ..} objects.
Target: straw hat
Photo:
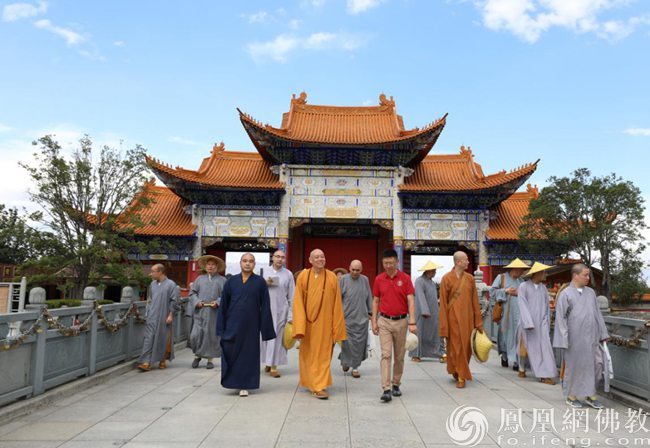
[
  {"x": 481, "y": 346},
  {"x": 287, "y": 338},
  {"x": 342, "y": 271},
  {"x": 517, "y": 264},
  {"x": 411, "y": 342},
  {"x": 429, "y": 266},
  {"x": 537, "y": 267},
  {"x": 202, "y": 261}
]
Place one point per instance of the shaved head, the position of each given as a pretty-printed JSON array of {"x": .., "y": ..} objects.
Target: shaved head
[
  {"x": 317, "y": 259},
  {"x": 247, "y": 254},
  {"x": 247, "y": 263},
  {"x": 459, "y": 256},
  {"x": 157, "y": 272},
  {"x": 315, "y": 252},
  {"x": 355, "y": 269},
  {"x": 461, "y": 262}
]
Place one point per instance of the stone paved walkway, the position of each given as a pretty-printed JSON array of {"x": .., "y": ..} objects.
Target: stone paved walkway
[{"x": 180, "y": 407}]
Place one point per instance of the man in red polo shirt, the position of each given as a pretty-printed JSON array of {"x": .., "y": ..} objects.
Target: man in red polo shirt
[{"x": 393, "y": 311}]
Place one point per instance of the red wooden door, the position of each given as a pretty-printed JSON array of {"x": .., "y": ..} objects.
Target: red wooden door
[{"x": 339, "y": 252}]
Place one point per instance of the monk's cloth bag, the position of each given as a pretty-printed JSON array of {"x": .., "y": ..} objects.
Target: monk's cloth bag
[{"x": 497, "y": 311}]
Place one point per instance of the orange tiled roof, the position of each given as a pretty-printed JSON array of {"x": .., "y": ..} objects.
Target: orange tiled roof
[
  {"x": 458, "y": 172},
  {"x": 510, "y": 215},
  {"x": 165, "y": 215},
  {"x": 226, "y": 169},
  {"x": 343, "y": 125}
]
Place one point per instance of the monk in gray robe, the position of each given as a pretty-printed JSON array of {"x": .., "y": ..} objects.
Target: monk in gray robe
[
  {"x": 535, "y": 348},
  {"x": 580, "y": 331},
  {"x": 163, "y": 301},
  {"x": 281, "y": 288},
  {"x": 504, "y": 291},
  {"x": 426, "y": 316},
  {"x": 205, "y": 296},
  {"x": 357, "y": 309}
]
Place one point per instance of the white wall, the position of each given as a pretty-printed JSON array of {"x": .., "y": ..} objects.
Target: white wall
[
  {"x": 262, "y": 261},
  {"x": 417, "y": 261}
]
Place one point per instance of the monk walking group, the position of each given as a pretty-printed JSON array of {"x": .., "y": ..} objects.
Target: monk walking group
[{"x": 251, "y": 320}]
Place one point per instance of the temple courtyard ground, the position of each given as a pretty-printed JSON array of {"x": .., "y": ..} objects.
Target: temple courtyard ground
[{"x": 184, "y": 408}]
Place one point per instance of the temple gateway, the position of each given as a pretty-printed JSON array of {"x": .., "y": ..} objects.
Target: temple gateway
[{"x": 349, "y": 180}]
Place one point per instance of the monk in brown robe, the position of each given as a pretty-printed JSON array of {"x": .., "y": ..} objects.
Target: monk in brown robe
[
  {"x": 319, "y": 323},
  {"x": 460, "y": 313}
]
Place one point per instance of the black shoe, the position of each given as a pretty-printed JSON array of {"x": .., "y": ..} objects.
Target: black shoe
[
  {"x": 386, "y": 396},
  {"x": 396, "y": 391},
  {"x": 515, "y": 367},
  {"x": 209, "y": 366},
  {"x": 504, "y": 362},
  {"x": 196, "y": 362}
]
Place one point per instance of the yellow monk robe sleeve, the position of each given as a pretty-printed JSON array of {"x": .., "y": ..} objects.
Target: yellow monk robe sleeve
[
  {"x": 444, "y": 298},
  {"x": 338, "y": 318},
  {"x": 299, "y": 317}
]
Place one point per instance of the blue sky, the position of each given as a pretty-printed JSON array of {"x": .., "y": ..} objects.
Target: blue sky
[{"x": 566, "y": 81}]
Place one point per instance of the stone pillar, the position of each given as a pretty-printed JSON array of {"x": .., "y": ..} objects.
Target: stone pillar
[
  {"x": 282, "y": 231},
  {"x": 90, "y": 295},
  {"x": 398, "y": 246},
  {"x": 603, "y": 304},
  {"x": 483, "y": 261},
  {"x": 127, "y": 295},
  {"x": 197, "y": 219},
  {"x": 398, "y": 224},
  {"x": 37, "y": 298}
]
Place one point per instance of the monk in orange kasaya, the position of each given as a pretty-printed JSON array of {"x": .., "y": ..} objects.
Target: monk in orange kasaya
[
  {"x": 319, "y": 322},
  {"x": 460, "y": 313}
]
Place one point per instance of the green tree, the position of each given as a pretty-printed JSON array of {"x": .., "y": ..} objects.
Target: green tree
[
  {"x": 19, "y": 241},
  {"x": 628, "y": 284},
  {"x": 599, "y": 218},
  {"x": 88, "y": 203}
]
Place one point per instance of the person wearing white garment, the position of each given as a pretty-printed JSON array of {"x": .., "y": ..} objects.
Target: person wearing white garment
[{"x": 281, "y": 289}]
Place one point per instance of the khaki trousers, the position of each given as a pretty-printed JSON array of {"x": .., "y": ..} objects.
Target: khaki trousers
[{"x": 392, "y": 338}]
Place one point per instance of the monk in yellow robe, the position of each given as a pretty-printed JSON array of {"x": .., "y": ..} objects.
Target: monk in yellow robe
[
  {"x": 460, "y": 313},
  {"x": 319, "y": 323}
]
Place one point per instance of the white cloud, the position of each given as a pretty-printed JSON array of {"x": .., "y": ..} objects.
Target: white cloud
[
  {"x": 257, "y": 17},
  {"x": 17, "y": 11},
  {"x": 5, "y": 128},
  {"x": 283, "y": 45},
  {"x": 638, "y": 132},
  {"x": 314, "y": 3},
  {"x": 368, "y": 103},
  {"x": 184, "y": 141},
  {"x": 528, "y": 19},
  {"x": 359, "y": 6},
  {"x": 71, "y": 37},
  {"x": 119, "y": 43},
  {"x": 295, "y": 24}
]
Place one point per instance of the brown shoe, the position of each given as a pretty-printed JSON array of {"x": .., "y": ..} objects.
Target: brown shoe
[
  {"x": 416, "y": 359},
  {"x": 267, "y": 369},
  {"x": 356, "y": 374},
  {"x": 320, "y": 394},
  {"x": 443, "y": 359},
  {"x": 455, "y": 375},
  {"x": 521, "y": 374},
  {"x": 145, "y": 367},
  {"x": 549, "y": 381},
  {"x": 162, "y": 365},
  {"x": 460, "y": 384},
  {"x": 274, "y": 374},
  {"x": 345, "y": 368}
]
